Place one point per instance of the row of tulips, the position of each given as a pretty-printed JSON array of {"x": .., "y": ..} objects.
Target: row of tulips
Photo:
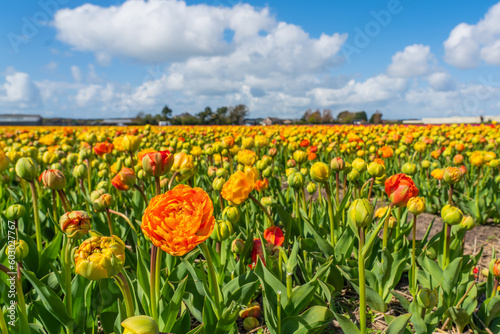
[{"x": 262, "y": 229}]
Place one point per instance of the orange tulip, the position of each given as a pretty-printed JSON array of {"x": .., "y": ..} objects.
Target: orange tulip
[
  {"x": 124, "y": 180},
  {"x": 274, "y": 236},
  {"x": 179, "y": 220},
  {"x": 437, "y": 174},
  {"x": 400, "y": 188},
  {"x": 261, "y": 185},
  {"x": 103, "y": 148}
]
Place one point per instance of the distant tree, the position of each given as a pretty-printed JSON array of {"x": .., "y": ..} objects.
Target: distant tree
[
  {"x": 220, "y": 116},
  {"x": 307, "y": 114},
  {"x": 376, "y": 118},
  {"x": 327, "y": 116},
  {"x": 166, "y": 112},
  {"x": 205, "y": 116},
  {"x": 360, "y": 115},
  {"x": 237, "y": 114}
]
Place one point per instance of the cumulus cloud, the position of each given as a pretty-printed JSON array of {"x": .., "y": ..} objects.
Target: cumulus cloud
[
  {"x": 469, "y": 44},
  {"x": 19, "y": 90},
  {"x": 76, "y": 73},
  {"x": 441, "y": 81},
  {"x": 376, "y": 89},
  {"x": 416, "y": 60}
]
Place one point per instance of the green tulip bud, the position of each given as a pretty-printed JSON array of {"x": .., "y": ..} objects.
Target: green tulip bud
[
  {"x": 451, "y": 215},
  {"x": 427, "y": 299},
  {"x": 222, "y": 230},
  {"x": 26, "y": 169},
  {"x": 237, "y": 246},
  {"x": 296, "y": 180},
  {"x": 468, "y": 223},
  {"x": 140, "y": 324},
  {"x": 409, "y": 168},
  {"x": 15, "y": 212},
  {"x": 231, "y": 213},
  {"x": 311, "y": 188},
  {"x": 360, "y": 213},
  {"x": 222, "y": 172},
  {"x": 218, "y": 183},
  {"x": 320, "y": 172},
  {"x": 18, "y": 250},
  {"x": 80, "y": 171}
]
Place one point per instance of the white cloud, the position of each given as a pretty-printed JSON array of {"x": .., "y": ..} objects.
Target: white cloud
[
  {"x": 469, "y": 44},
  {"x": 19, "y": 91},
  {"x": 376, "y": 89},
  {"x": 51, "y": 66},
  {"x": 76, "y": 73},
  {"x": 416, "y": 60},
  {"x": 441, "y": 81}
]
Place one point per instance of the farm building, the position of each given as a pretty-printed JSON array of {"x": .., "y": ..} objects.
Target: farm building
[{"x": 13, "y": 119}]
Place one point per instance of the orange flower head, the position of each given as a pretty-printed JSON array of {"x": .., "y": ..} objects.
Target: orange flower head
[
  {"x": 437, "y": 174},
  {"x": 103, "y": 148},
  {"x": 238, "y": 187},
  {"x": 247, "y": 157},
  {"x": 261, "y": 185},
  {"x": 124, "y": 180},
  {"x": 400, "y": 188},
  {"x": 179, "y": 220},
  {"x": 385, "y": 152},
  {"x": 228, "y": 142}
]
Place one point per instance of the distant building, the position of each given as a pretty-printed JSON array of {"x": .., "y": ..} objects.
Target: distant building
[
  {"x": 13, "y": 119},
  {"x": 454, "y": 120},
  {"x": 164, "y": 123},
  {"x": 117, "y": 121},
  {"x": 275, "y": 121}
]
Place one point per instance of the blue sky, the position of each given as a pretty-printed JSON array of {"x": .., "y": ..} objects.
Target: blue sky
[{"x": 408, "y": 59}]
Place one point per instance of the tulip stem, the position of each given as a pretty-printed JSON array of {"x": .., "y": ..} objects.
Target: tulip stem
[
  {"x": 89, "y": 171},
  {"x": 67, "y": 280},
  {"x": 142, "y": 194},
  {"x": 337, "y": 188},
  {"x": 158, "y": 185},
  {"x": 37, "y": 218},
  {"x": 64, "y": 200},
  {"x": 495, "y": 288},
  {"x": 212, "y": 279},
  {"x": 259, "y": 204},
  {"x": 124, "y": 287},
  {"x": 172, "y": 180},
  {"x": 371, "y": 188},
  {"x": 362, "y": 296},
  {"x": 413, "y": 287},
  {"x": 333, "y": 225},
  {"x": 152, "y": 283},
  {"x": 110, "y": 223},
  {"x": 446, "y": 246},
  {"x": 278, "y": 297},
  {"x": 54, "y": 207}
]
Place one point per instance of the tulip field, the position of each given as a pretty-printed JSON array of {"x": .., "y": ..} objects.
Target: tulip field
[{"x": 248, "y": 229}]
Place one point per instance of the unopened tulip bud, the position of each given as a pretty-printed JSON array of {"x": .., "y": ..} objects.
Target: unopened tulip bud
[
  {"x": 140, "y": 324},
  {"x": 451, "y": 215},
  {"x": 375, "y": 169},
  {"x": 250, "y": 323},
  {"x": 416, "y": 205},
  {"x": 157, "y": 163},
  {"x": 494, "y": 163},
  {"x": 468, "y": 223},
  {"x": 53, "y": 179},
  {"x": 392, "y": 222},
  {"x": 427, "y": 299},
  {"x": 320, "y": 172},
  {"x": 237, "y": 246},
  {"x": 300, "y": 156},
  {"x": 267, "y": 172},
  {"x": 272, "y": 151},
  {"x": 359, "y": 165},
  {"x": 360, "y": 213},
  {"x": 80, "y": 171},
  {"x": 296, "y": 180},
  {"x": 452, "y": 175},
  {"x": 96, "y": 194},
  {"x": 124, "y": 180},
  {"x": 291, "y": 163},
  {"x": 426, "y": 164},
  {"x": 495, "y": 268},
  {"x": 222, "y": 230},
  {"x": 75, "y": 224},
  {"x": 15, "y": 212},
  {"x": 19, "y": 250},
  {"x": 267, "y": 201},
  {"x": 218, "y": 183},
  {"x": 103, "y": 185},
  {"x": 26, "y": 169},
  {"x": 222, "y": 172},
  {"x": 353, "y": 175},
  {"x": 311, "y": 188},
  {"x": 211, "y": 172},
  {"x": 231, "y": 213},
  {"x": 337, "y": 164},
  {"x": 103, "y": 202},
  {"x": 409, "y": 168},
  {"x": 131, "y": 143}
]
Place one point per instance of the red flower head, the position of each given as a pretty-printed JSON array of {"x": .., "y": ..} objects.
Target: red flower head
[
  {"x": 257, "y": 250},
  {"x": 400, "y": 188},
  {"x": 305, "y": 142},
  {"x": 103, "y": 148},
  {"x": 274, "y": 236}
]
